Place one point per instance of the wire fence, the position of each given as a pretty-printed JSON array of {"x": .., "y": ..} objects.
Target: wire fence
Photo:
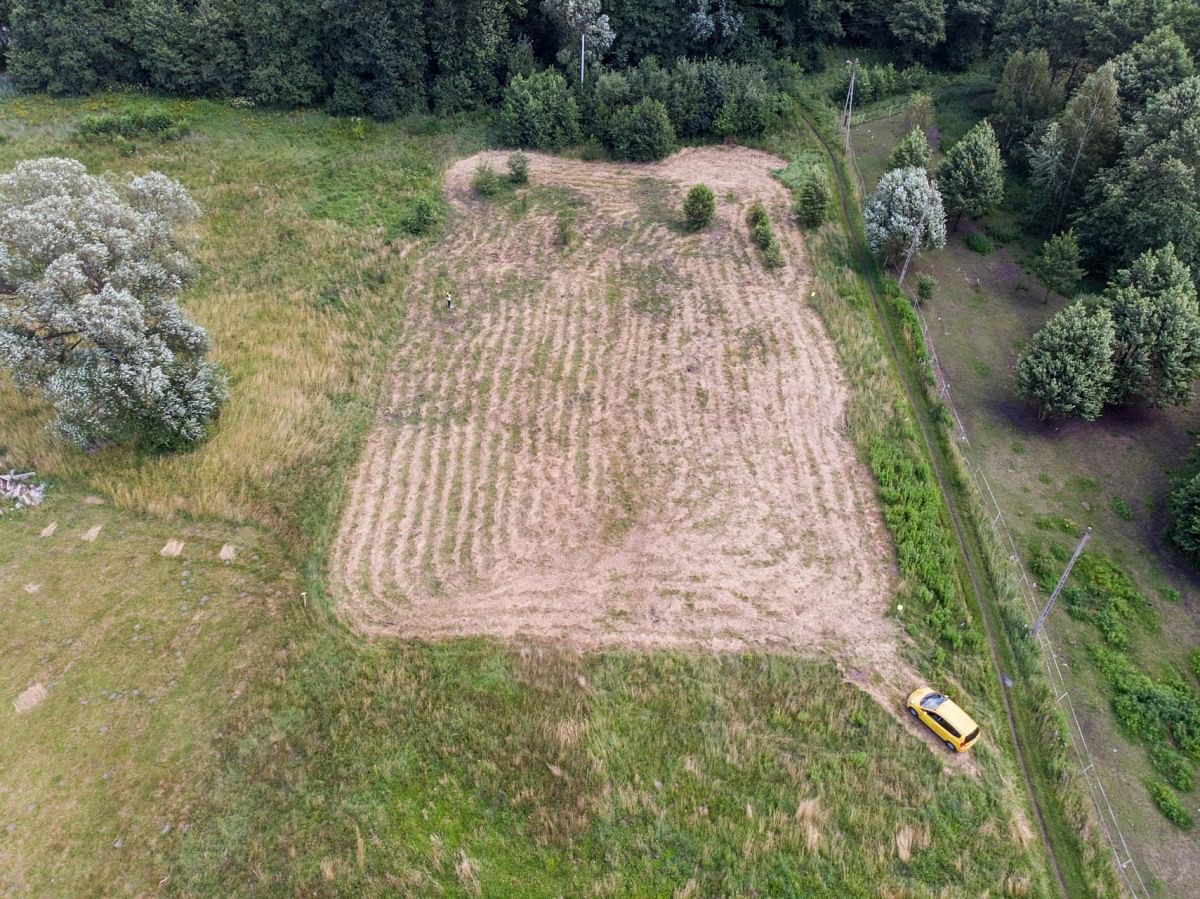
[{"x": 1127, "y": 867}]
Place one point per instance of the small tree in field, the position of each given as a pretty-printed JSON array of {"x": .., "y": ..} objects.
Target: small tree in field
[
  {"x": 905, "y": 204},
  {"x": 812, "y": 199},
  {"x": 699, "y": 207},
  {"x": 1058, "y": 265},
  {"x": 972, "y": 175},
  {"x": 1068, "y": 368},
  {"x": 912, "y": 151},
  {"x": 89, "y": 270},
  {"x": 518, "y": 167}
]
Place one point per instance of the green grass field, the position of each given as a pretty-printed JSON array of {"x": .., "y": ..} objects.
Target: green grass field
[
  {"x": 210, "y": 729},
  {"x": 1052, "y": 479}
]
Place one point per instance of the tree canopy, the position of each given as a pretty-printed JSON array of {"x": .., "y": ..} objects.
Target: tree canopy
[{"x": 89, "y": 269}]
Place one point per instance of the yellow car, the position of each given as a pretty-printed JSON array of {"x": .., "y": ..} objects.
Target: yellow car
[{"x": 953, "y": 726}]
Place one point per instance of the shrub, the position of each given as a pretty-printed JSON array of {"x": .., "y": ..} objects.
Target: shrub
[
  {"x": 1154, "y": 711},
  {"x": 699, "y": 206},
  {"x": 539, "y": 111},
  {"x": 1168, "y": 803},
  {"x": 763, "y": 236},
  {"x": 641, "y": 132},
  {"x": 812, "y": 199},
  {"x": 424, "y": 216},
  {"x": 1183, "y": 509},
  {"x": 131, "y": 124},
  {"x": 1175, "y": 768},
  {"x": 978, "y": 241},
  {"x": 926, "y": 285},
  {"x": 518, "y": 168},
  {"x": 1194, "y": 661},
  {"x": 486, "y": 181}
]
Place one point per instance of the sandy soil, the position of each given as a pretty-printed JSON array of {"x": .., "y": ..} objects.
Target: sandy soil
[{"x": 638, "y": 441}]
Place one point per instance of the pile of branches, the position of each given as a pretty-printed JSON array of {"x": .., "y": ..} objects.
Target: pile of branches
[{"x": 20, "y": 489}]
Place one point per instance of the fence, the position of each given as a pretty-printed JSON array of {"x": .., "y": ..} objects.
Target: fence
[{"x": 1127, "y": 868}]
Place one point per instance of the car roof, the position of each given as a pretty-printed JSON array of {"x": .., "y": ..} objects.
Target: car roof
[{"x": 950, "y": 711}]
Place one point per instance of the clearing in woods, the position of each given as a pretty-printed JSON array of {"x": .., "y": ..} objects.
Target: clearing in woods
[{"x": 618, "y": 433}]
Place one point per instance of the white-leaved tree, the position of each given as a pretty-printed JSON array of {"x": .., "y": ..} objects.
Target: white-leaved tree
[
  {"x": 89, "y": 271},
  {"x": 904, "y": 206},
  {"x": 588, "y": 30}
]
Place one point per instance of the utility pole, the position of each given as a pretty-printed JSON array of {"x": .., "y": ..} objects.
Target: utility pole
[
  {"x": 582, "y": 44},
  {"x": 848, "y": 106},
  {"x": 1037, "y": 625}
]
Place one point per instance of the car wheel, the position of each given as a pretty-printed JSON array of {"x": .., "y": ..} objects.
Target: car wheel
[
  {"x": 912, "y": 711},
  {"x": 951, "y": 746}
]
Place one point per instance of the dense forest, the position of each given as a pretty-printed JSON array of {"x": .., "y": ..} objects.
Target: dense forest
[{"x": 387, "y": 57}]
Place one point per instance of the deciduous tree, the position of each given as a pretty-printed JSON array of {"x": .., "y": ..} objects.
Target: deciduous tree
[
  {"x": 904, "y": 206},
  {"x": 1025, "y": 96},
  {"x": 89, "y": 270}
]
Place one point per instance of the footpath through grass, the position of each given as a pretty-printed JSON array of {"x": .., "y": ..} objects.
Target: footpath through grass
[{"x": 208, "y": 729}]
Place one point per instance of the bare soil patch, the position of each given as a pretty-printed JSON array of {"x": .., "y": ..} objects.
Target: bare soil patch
[{"x": 637, "y": 439}]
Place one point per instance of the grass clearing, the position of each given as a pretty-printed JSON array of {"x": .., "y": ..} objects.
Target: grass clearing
[{"x": 466, "y": 767}]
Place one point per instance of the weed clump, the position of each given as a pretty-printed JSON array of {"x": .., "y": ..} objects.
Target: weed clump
[
  {"x": 123, "y": 128},
  {"x": 979, "y": 242},
  {"x": 699, "y": 207},
  {"x": 1195, "y": 663},
  {"x": 763, "y": 236}
]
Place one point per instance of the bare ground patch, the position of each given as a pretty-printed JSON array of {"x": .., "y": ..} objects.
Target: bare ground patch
[{"x": 637, "y": 439}]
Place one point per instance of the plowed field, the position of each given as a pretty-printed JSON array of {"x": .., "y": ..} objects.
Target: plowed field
[{"x": 600, "y": 430}]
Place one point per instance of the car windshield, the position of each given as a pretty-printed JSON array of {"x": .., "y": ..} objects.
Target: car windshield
[{"x": 932, "y": 701}]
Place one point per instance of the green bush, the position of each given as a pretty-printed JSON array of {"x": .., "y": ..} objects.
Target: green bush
[
  {"x": 641, "y": 132},
  {"x": 926, "y": 285},
  {"x": 424, "y": 216},
  {"x": 1103, "y": 594},
  {"x": 131, "y": 124},
  {"x": 1183, "y": 511},
  {"x": 1121, "y": 509},
  {"x": 1155, "y": 711},
  {"x": 1175, "y": 768},
  {"x": 979, "y": 242},
  {"x": 1168, "y": 803},
  {"x": 518, "y": 168},
  {"x": 763, "y": 236},
  {"x": 699, "y": 207},
  {"x": 486, "y": 181},
  {"x": 1194, "y": 661},
  {"x": 539, "y": 111}
]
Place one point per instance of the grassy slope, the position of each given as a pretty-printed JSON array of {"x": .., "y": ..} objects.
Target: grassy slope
[
  {"x": 392, "y": 767},
  {"x": 983, "y": 312}
]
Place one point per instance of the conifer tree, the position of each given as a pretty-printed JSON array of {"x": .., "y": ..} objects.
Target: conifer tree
[
  {"x": 1067, "y": 368},
  {"x": 972, "y": 175}
]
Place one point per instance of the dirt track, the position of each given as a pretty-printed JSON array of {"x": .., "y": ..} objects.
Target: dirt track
[{"x": 637, "y": 440}]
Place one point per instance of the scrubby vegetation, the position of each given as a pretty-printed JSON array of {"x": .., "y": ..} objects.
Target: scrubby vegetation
[{"x": 763, "y": 236}]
